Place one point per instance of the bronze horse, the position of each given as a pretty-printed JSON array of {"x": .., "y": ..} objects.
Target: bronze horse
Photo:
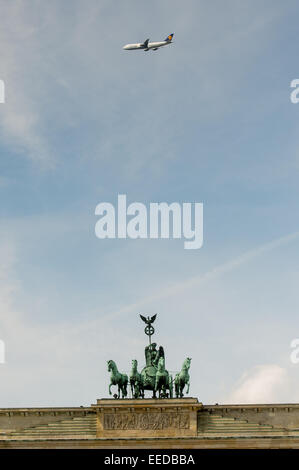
[
  {"x": 116, "y": 378},
  {"x": 182, "y": 379},
  {"x": 136, "y": 381}
]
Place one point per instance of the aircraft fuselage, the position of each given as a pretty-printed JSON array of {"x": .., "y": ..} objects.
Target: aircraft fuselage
[{"x": 151, "y": 45}]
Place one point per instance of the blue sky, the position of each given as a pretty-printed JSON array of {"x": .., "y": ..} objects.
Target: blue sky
[{"x": 208, "y": 119}]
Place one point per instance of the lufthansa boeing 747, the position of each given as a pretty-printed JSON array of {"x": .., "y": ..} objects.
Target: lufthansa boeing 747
[{"x": 146, "y": 45}]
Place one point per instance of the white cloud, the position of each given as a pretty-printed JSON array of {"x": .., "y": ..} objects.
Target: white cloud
[{"x": 263, "y": 384}]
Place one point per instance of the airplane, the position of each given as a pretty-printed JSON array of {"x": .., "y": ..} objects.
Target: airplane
[{"x": 146, "y": 45}]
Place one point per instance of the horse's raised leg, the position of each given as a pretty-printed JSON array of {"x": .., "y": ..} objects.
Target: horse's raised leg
[{"x": 110, "y": 393}]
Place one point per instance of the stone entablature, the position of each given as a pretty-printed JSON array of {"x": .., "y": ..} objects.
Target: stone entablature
[{"x": 176, "y": 423}]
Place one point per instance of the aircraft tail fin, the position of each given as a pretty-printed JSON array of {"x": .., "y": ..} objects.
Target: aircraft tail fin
[
  {"x": 169, "y": 37},
  {"x": 145, "y": 44}
]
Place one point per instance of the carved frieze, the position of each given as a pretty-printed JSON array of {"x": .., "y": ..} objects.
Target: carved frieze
[{"x": 146, "y": 421}]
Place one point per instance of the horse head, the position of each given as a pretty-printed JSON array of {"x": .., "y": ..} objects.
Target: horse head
[
  {"x": 111, "y": 365},
  {"x": 134, "y": 363},
  {"x": 187, "y": 363}
]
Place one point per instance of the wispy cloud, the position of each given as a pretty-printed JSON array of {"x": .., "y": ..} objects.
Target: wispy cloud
[
  {"x": 21, "y": 116},
  {"x": 227, "y": 267}
]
